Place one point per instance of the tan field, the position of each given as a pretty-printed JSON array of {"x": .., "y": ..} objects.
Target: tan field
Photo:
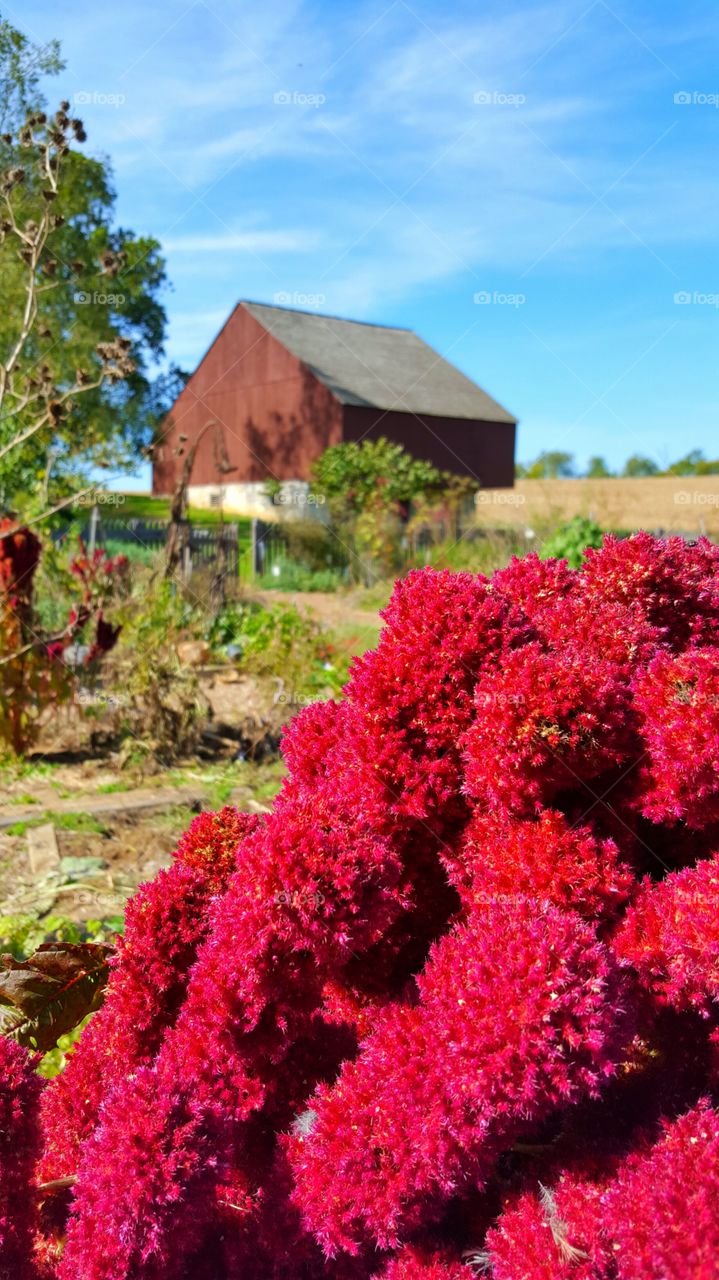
[{"x": 681, "y": 504}]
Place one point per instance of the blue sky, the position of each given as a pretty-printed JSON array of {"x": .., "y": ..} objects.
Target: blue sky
[{"x": 400, "y": 161}]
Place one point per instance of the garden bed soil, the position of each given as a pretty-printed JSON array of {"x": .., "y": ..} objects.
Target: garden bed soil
[{"x": 111, "y": 841}]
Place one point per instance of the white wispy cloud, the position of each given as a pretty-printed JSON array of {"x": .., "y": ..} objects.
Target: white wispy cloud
[
  {"x": 493, "y": 180},
  {"x": 241, "y": 242}
]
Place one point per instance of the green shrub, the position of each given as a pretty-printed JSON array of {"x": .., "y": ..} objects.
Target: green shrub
[
  {"x": 570, "y": 540},
  {"x": 314, "y": 545}
]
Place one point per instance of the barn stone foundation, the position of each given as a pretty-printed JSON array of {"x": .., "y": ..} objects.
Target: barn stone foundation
[{"x": 293, "y": 500}]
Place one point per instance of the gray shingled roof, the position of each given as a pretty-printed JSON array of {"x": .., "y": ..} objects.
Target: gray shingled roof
[{"x": 378, "y": 366}]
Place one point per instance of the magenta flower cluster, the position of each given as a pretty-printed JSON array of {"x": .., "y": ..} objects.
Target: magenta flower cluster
[
  {"x": 19, "y": 1149},
  {"x": 452, "y": 1007}
]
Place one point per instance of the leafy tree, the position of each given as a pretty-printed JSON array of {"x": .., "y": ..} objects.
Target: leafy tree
[
  {"x": 693, "y": 464},
  {"x": 597, "y": 468},
  {"x": 22, "y": 64},
  {"x": 551, "y": 465},
  {"x": 73, "y": 285},
  {"x": 708, "y": 467},
  {"x": 686, "y": 466},
  {"x": 638, "y": 465}
]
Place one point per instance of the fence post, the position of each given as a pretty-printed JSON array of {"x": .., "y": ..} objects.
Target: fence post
[
  {"x": 186, "y": 551},
  {"x": 217, "y": 582},
  {"x": 94, "y": 520}
]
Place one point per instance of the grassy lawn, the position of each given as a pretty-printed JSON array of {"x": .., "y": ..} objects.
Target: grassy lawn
[{"x": 142, "y": 506}]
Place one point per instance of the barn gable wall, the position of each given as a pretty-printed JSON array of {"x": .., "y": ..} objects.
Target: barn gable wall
[{"x": 276, "y": 416}]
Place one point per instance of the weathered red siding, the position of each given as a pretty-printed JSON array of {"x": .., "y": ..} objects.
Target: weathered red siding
[
  {"x": 276, "y": 416},
  {"x": 484, "y": 450}
]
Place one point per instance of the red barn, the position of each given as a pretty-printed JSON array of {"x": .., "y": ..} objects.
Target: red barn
[{"x": 283, "y": 385}]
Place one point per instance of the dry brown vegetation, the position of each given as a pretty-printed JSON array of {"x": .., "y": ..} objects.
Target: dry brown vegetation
[{"x": 684, "y": 504}]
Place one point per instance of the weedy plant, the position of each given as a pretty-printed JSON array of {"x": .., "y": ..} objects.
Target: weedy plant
[
  {"x": 157, "y": 708},
  {"x": 38, "y": 671},
  {"x": 280, "y": 642},
  {"x": 452, "y": 1006}
]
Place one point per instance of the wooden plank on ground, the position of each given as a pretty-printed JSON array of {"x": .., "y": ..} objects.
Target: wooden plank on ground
[
  {"x": 112, "y": 805},
  {"x": 43, "y": 854}
]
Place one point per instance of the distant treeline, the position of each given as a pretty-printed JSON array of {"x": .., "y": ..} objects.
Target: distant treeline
[{"x": 555, "y": 464}]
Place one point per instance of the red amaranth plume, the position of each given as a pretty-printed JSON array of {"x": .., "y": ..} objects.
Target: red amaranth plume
[
  {"x": 561, "y": 1221},
  {"x": 671, "y": 938},
  {"x": 501, "y": 858},
  {"x": 165, "y": 924},
  {"x": 519, "y": 1014},
  {"x": 550, "y": 1233},
  {"x": 563, "y": 610},
  {"x": 661, "y": 1216},
  {"x": 420, "y": 1264},
  {"x": 308, "y": 741},
  {"x": 19, "y": 558},
  {"x": 212, "y": 841},
  {"x": 677, "y": 699},
  {"x": 19, "y": 1145},
  {"x": 413, "y": 695},
  {"x": 674, "y": 585},
  {"x": 655, "y": 1216},
  {"x": 545, "y": 722},
  {"x": 537, "y": 586}
]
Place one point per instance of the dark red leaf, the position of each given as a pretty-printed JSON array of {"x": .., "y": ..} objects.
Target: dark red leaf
[{"x": 46, "y": 996}]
